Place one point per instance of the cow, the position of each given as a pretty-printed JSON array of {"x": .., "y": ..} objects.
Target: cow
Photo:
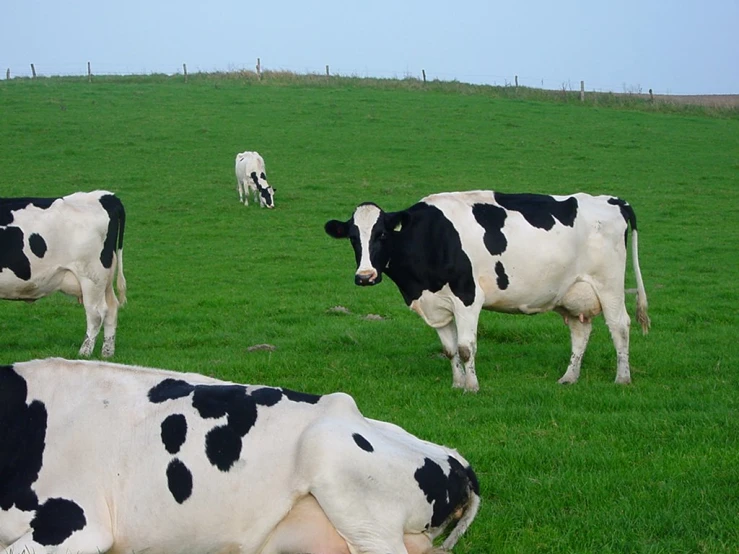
[
  {"x": 72, "y": 244},
  {"x": 102, "y": 457},
  {"x": 251, "y": 178},
  {"x": 453, "y": 254}
]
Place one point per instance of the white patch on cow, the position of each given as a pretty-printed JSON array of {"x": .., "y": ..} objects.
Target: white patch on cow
[{"x": 365, "y": 217}]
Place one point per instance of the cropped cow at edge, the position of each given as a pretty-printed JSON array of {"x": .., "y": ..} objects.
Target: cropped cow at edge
[
  {"x": 454, "y": 254},
  {"x": 251, "y": 178},
  {"x": 72, "y": 244},
  {"x": 104, "y": 457}
]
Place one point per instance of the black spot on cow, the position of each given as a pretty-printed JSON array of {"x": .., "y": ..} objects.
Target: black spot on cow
[
  {"x": 179, "y": 480},
  {"x": 304, "y": 397},
  {"x": 116, "y": 225},
  {"x": 223, "y": 446},
  {"x": 223, "y": 443},
  {"x": 22, "y": 436},
  {"x": 627, "y": 212},
  {"x": 363, "y": 443},
  {"x": 10, "y": 205},
  {"x": 425, "y": 254},
  {"x": 540, "y": 210},
  {"x": 445, "y": 493},
  {"x": 492, "y": 219},
  {"x": 263, "y": 176},
  {"x": 174, "y": 432},
  {"x": 266, "y": 396},
  {"x": 11, "y": 253},
  {"x": 37, "y": 244},
  {"x": 56, "y": 520},
  {"x": 502, "y": 277},
  {"x": 255, "y": 179},
  {"x": 170, "y": 389}
]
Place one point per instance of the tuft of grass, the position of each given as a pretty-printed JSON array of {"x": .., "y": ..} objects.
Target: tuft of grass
[{"x": 594, "y": 467}]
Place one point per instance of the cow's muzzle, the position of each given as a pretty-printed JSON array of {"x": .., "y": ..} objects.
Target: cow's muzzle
[{"x": 366, "y": 278}]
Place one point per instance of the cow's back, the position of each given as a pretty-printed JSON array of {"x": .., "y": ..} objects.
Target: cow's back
[{"x": 526, "y": 251}]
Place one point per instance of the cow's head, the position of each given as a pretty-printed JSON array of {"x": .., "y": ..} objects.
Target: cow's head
[
  {"x": 264, "y": 190},
  {"x": 371, "y": 232}
]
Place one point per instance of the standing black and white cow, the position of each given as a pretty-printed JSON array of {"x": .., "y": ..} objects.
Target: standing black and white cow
[
  {"x": 72, "y": 244},
  {"x": 454, "y": 254},
  {"x": 101, "y": 457},
  {"x": 251, "y": 178}
]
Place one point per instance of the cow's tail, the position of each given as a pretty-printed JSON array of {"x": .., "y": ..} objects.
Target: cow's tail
[
  {"x": 641, "y": 294},
  {"x": 469, "y": 510},
  {"x": 121, "y": 279}
]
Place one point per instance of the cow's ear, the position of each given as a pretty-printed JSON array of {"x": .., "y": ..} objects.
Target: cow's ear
[
  {"x": 397, "y": 220},
  {"x": 337, "y": 229}
]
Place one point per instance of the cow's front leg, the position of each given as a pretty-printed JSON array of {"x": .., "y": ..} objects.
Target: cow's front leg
[
  {"x": 448, "y": 337},
  {"x": 466, "y": 320},
  {"x": 579, "y": 333}
]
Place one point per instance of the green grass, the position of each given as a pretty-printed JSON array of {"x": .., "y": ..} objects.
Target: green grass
[{"x": 591, "y": 468}]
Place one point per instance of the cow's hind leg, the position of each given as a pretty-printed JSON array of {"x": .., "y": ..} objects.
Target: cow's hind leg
[
  {"x": 579, "y": 333},
  {"x": 110, "y": 321},
  {"x": 619, "y": 323},
  {"x": 241, "y": 189},
  {"x": 448, "y": 336},
  {"x": 96, "y": 309}
]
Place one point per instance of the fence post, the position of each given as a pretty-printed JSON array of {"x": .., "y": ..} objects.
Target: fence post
[
  {"x": 259, "y": 69},
  {"x": 7, "y": 74},
  {"x": 424, "y": 75},
  {"x": 327, "y": 73},
  {"x": 89, "y": 73},
  {"x": 651, "y": 96},
  {"x": 33, "y": 71},
  {"x": 516, "y": 78},
  {"x": 582, "y": 91},
  {"x": 184, "y": 71}
]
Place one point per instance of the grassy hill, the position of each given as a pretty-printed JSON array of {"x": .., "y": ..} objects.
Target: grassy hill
[{"x": 594, "y": 467}]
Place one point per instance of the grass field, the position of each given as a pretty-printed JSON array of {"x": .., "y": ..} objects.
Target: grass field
[{"x": 590, "y": 468}]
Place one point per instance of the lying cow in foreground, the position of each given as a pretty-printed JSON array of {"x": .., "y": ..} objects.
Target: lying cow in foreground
[
  {"x": 71, "y": 244},
  {"x": 101, "y": 457},
  {"x": 251, "y": 179},
  {"x": 454, "y": 254}
]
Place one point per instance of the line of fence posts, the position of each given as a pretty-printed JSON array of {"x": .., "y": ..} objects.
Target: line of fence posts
[{"x": 328, "y": 74}]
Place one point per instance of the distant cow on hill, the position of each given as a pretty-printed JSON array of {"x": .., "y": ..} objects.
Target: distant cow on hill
[
  {"x": 72, "y": 244},
  {"x": 251, "y": 179},
  {"x": 454, "y": 254},
  {"x": 100, "y": 457}
]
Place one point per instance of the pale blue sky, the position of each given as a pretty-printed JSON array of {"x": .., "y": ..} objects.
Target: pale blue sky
[{"x": 683, "y": 47}]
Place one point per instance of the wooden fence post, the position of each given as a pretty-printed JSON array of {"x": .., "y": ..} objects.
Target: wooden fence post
[
  {"x": 7, "y": 74},
  {"x": 327, "y": 73},
  {"x": 33, "y": 71},
  {"x": 516, "y": 78},
  {"x": 582, "y": 91},
  {"x": 651, "y": 96},
  {"x": 259, "y": 69},
  {"x": 184, "y": 71},
  {"x": 89, "y": 73},
  {"x": 424, "y": 75}
]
